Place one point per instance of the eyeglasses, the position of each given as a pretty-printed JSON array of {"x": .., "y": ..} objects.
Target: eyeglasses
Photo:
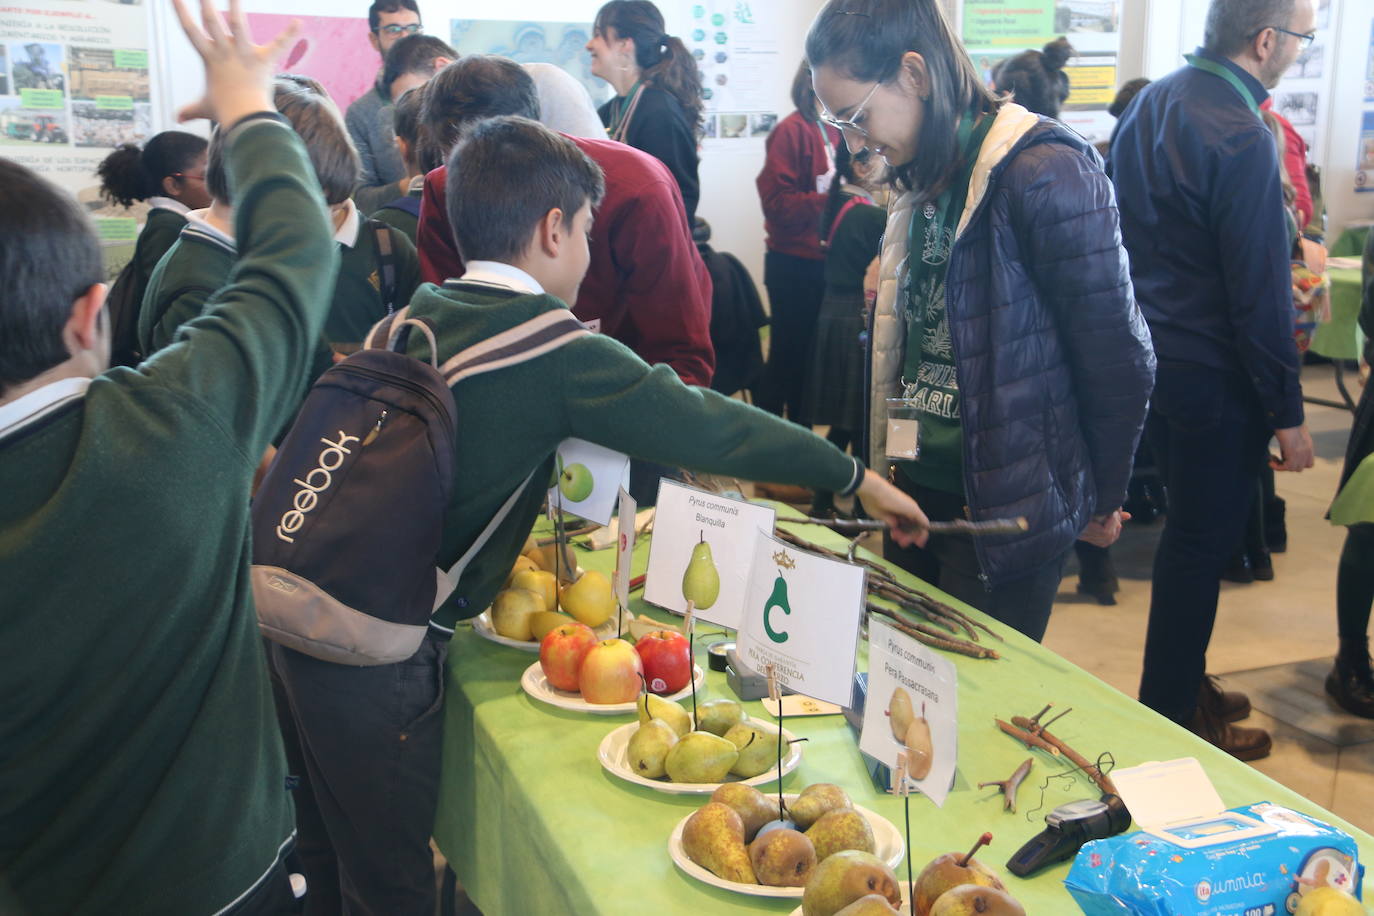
[
  {"x": 186, "y": 175},
  {"x": 393, "y": 30},
  {"x": 1305, "y": 37},
  {"x": 851, "y": 124}
]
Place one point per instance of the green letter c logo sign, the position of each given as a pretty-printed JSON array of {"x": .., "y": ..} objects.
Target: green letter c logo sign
[{"x": 777, "y": 600}]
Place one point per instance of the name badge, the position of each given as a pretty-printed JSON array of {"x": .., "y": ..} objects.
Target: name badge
[{"x": 903, "y": 430}]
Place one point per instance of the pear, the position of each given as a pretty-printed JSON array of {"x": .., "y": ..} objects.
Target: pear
[
  {"x": 700, "y": 757},
  {"x": 546, "y": 622},
  {"x": 513, "y": 611},
  {"x": 845, "y": 877},
  {"x": 899, "y": 713},
  {"x": 782, "y": 858},
  {"x": 814, "y": 801},
  {"x": 700, "y": 581},
  {"x": 651, "y": 706},
  {"x": 949, "y": 871},
  {"x": 972, "y": 899},
  {"x": 719, "y": 716},
  {"x": 869, "y": 905},
  {"x": 758, "y": 750},
  {"x": 547, "y": 558},
  {"x": 843, "y": 828},
  {"x": 713, "y": 837},
  {"x": 649, "y": 747},
  {"x": 753, "y": 807},
  {"x": 590, "y": 599},
  {"x": 541, "y": 583},
  {"x": 920, "y": 753}
]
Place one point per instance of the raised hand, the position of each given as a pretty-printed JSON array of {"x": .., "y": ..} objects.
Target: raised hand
[{"x": 238, "y": 73}]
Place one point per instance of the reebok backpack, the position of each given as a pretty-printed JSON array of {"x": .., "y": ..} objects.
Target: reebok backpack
[{"x": 348, "y": 520}]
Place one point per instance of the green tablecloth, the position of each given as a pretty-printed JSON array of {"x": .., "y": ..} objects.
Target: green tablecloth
[
  {"x": 1351, "y": 243},
  {"x": 1341, "y": 338},
  {"x": 531, "y": 824}
]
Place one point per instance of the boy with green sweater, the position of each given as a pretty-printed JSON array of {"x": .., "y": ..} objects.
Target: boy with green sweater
[
  {"x": 520, "y": 198},
  {"x": 142, "y": 768}
]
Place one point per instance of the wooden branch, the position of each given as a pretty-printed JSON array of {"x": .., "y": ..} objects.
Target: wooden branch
[
  {"x": 1027, "y": 738},
  {"x": 931, "y": 637},
  {"x": 1011, "y": 784},
  {"x": 1104, "y": 782}
]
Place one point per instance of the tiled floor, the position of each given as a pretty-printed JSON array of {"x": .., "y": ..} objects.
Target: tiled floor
[{"x": 1272, "y": 639}]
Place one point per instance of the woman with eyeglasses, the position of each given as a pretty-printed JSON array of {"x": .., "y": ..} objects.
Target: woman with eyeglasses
[
  {"x": 1010, "y": 367},
  {"x": 657, "y": 105},
  {"x": 168, "y": 172}
]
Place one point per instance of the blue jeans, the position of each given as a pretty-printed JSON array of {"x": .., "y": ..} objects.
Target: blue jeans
[
  {"x": 1207, "y": 431},
  {"x": 364, "y": 745}
]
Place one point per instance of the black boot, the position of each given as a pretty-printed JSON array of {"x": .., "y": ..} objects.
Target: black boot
[
  {"x": 1351, "y": 683},
  {"x": 1238, "y": 569},
  {"x": 1096, "y": 574}
]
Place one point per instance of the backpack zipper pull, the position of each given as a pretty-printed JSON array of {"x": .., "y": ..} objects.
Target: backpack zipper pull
[{"x": 376, "y": 430}]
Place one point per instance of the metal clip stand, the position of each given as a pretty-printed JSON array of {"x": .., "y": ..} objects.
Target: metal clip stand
[
  {"x": 689, "y": 627},
  {"x": 775, "y": 695},
  {"x": 901, "y": 788}
]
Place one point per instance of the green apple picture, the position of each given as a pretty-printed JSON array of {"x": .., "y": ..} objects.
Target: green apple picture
[{"x": 576, "y": 483}]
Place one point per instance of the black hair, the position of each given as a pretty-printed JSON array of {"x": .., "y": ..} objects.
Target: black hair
[
  {"x": 1128, "y": 91},
  {"x": 405, "y": 117},
  {"x": 1036, "y": 79},
  {"x": 804, "y": 94},
  {"x": 476, "y": 87},
  {"x": 316, "y": 121},
  {"x": 49, "y": 256},
  {"x": 836, "y": 197},
  {"x": 504, "y": 176},
  {"x": 865, "y": 40},
  {"x": 130, "y": 174},
  {"x": 1233, "y": 24},
  {"x": 414, "y": 54},
  {"x": 303, "y": 82},
  {"x": 374, "y": 12},
  {"x": 663, "y": 59}
]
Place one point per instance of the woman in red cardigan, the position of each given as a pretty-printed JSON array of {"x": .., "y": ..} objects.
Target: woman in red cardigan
[{"x": 792, "y": 187}]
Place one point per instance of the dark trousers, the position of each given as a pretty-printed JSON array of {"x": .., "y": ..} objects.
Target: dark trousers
[
  {"x": 1206, "y": 429},
  {"x": 272, "y": 897},
  {"x": 951, "y": 564},
  {"x": 365, "y": 745},
  {"x": 795, "y": 289}
]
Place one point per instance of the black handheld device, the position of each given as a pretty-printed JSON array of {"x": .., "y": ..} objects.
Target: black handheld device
[{"x": 1067, "y": 828}]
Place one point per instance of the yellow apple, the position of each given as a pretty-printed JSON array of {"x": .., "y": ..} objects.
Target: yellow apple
[
  {"x": 590, "y": 599},
  {"x": 513, "y": 612},
  {"x": 540, "y": 582}
]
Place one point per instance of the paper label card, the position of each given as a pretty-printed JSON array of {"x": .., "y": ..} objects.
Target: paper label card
[
  {"x": 913, "y": 708},
  {"x": 701, "y": 551},
  {"x": 624, "y": 548},
  {"x": 801, "y": 615},
  {"x": 588, "y": 478}
]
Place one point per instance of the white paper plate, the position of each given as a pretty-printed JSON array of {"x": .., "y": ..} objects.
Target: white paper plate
[
  {"x": 537, "y": 686},
  {"x": 611, "y": 753},
  {"x": 906, "y": 899},
  {"x": 887, "y": 840},
  {"x": 482, "y": 624}
]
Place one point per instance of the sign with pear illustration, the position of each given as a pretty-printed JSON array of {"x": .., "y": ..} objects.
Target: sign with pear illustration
[
  {"x": 911, "y": 709},
  {"x": 701, "y": 552},
  {"x": 587, "y": 479},
  {"x": 802, "y": 615},
  {"x": 701, "y": 581}
]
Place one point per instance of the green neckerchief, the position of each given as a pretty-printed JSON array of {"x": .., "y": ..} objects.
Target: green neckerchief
[
  {"x": 940, "y": 218},
  {"x": 1210, "y": 66},
  {"x": 620, "y": 107}
]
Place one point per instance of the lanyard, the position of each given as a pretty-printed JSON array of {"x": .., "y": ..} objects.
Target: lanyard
[
  {"x": 927, "y": 261},
  {"x": 1210, "y": 66},
  {"x": 622, "y": 113},
  {"x": 850, "y": 204},
  {"x": 829, "y": 147}
]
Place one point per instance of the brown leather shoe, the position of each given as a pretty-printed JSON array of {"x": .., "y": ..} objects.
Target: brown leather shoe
[
  {"x": 1227, "y": 705},
  {"x": 1240, "y": 743}
]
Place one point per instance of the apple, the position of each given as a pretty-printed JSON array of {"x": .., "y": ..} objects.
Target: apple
[
  {"x": 562, "y": 651},
  {"x": 667, "y": 658},
  {"x": 610, "y": 673}
]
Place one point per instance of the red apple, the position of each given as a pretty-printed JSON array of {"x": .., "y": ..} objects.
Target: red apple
[
  {"x": 610, "y": 673},
  {"x": 667, "y": 658},
  {"x": 561, "y": 653}
]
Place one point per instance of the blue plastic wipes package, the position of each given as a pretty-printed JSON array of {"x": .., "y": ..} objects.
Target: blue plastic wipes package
[{"x": 1203, "y": 874}]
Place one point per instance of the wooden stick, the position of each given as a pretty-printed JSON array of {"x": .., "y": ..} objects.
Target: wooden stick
[
  {"x": 1104, "y": 782},
  {"x": 1011, "y": 784},
  {"x": 931, "y": 637},
  {"x": 1027, "y": 738}
]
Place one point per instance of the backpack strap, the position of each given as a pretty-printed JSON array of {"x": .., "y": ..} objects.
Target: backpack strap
[
  {"x": 448, "y": 580},
  {"x": 541, "y": 334},
  {"x": 380, "y": 335},
  {"x": 386, "y": 263}
]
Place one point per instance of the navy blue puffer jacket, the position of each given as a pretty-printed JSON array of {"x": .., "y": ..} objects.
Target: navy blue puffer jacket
[{"x": 1054, "y": 360}]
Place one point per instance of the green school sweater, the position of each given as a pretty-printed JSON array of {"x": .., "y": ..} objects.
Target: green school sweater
[
  {"x": 399, "y": 219},
  {"x": 358, "y": 302},
  {"x": 196, "y": 265},
  {"x": 160, "y": 232},
  {"x": 142, "y": 766},
  {"x": 510, "y": 422}
]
